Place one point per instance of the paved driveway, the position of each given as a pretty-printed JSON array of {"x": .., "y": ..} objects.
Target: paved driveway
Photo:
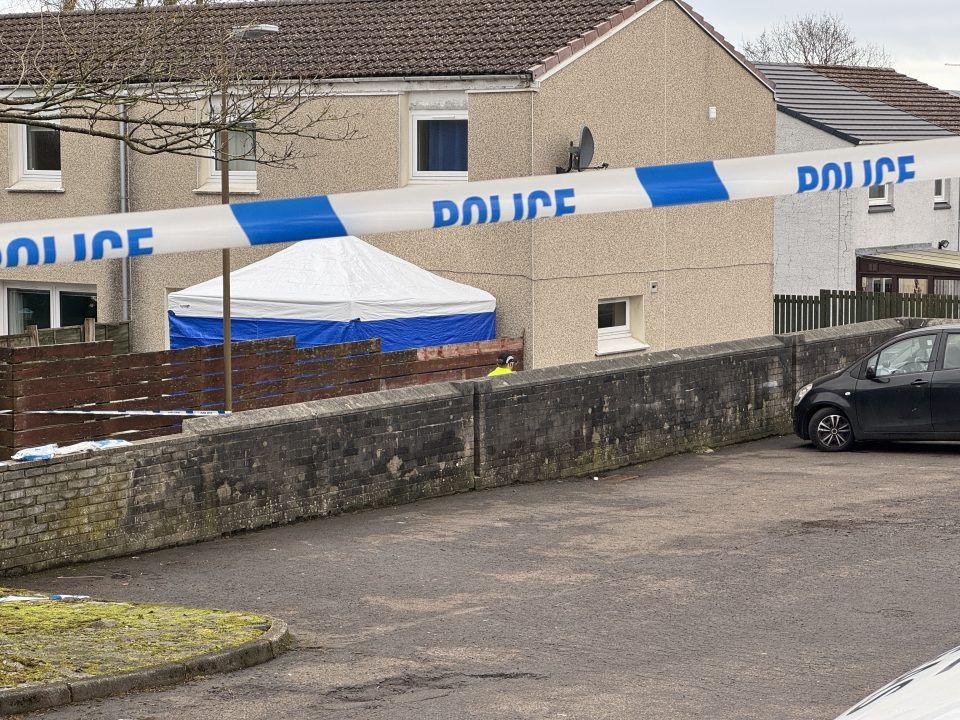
[{"x": 761, "y": 581}]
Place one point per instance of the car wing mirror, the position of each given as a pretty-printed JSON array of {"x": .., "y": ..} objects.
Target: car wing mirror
[{"x": 871, "y": 373}]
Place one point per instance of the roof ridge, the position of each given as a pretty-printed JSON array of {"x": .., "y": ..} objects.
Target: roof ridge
[{"x": 846, "y": 67}]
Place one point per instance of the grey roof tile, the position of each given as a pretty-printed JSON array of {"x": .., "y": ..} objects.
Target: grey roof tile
[{"x": 840, "y": 110}]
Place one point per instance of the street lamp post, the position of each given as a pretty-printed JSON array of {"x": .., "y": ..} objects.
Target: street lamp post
[{"x": 247, "y": 32}]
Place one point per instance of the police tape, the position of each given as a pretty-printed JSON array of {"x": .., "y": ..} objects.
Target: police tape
[
  {"x": 100, "y": 237},
  {"x": 162, "y": 413}
]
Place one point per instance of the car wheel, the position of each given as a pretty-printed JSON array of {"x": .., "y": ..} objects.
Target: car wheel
[{"x": 830, "y": 430}]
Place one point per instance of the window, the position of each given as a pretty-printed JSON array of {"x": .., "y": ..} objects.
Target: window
[
  {"x": 47, "y": 306},
  {"x": 941, "y": 193},
  {"x": 951, "y": 355},
  {"x": 243, "y": 164},
  {"x": 876, "y": 284},
  {"x": 75, "y": 307},
  {"x": 946, "y": 287},
  {"x": 27, "y": 307},
  {"x": 620, "y": 325},
  {"x": 42, "y": 150},
  {"x": 34, "y": 159},
  {"x": 242, "y": 146},
  {"x": 879, "y": 195},
  {"x": 438, "y": 145},
  {"x": 914, "y": 286},
  {"x": 907, "y": 356},
  {"x": 613, "y": 318}
]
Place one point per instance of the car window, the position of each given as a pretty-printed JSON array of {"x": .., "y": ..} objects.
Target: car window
[
  {"x": 907, "y": 356},
  {"x": 951, "y": 356}
]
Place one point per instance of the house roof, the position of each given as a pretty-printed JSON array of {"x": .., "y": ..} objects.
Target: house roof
[
  {"x": 815, "y": 97},
  {"x": 930, "y": 258},
  {"x": 372, "y": 38},
  {"x": 900, "y": 91}
]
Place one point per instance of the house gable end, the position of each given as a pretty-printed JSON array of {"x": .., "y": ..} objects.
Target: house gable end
[{"x": 592, "y": 37}]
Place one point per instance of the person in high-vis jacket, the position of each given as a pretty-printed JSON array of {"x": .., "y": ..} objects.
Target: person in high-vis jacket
[{"x": 505, "y": 363}]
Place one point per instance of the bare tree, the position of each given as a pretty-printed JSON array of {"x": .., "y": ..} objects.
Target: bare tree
[
  {"x": 155, "y": 77},
  {"x": 814, "y": 39}
]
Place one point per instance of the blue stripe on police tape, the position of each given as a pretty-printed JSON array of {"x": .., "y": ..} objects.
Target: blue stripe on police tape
[
  {"x": 273, "y": 221},
  {"x": 682, "y": 184}
]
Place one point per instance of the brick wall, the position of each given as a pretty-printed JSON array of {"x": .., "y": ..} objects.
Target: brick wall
[{"x": 277, "y": 465}]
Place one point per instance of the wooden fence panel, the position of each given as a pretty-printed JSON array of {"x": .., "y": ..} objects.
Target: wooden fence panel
[
  {"x": 266, "y": 373},
  {"x": 794, "y": 313}
]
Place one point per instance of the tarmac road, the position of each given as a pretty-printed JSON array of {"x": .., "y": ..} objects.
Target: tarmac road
[{"x": 761, "y": 581}]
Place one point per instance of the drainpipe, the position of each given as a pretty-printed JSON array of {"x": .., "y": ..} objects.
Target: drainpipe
[{"x": 125, "y": 303}]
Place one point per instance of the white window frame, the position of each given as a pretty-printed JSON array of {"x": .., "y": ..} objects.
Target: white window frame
[
  {"x": 23, "y": 179},
  {"x": 53, "y": 289},
  {"x": 881, "y": 201},
  {"x": 242, "y": 182},
  {"x": 617, "y": 332},
  {"x": 942, "y": 197},
  {"x": 427, "y": 176},
  {"x": 41, "y": 175},
  {"x": 620, "y": 339}
]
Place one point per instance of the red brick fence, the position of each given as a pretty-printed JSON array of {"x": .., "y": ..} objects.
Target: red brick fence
[{"x": 266, "y": 373}]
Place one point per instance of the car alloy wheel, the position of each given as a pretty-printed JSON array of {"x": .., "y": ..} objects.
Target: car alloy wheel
[{"x": 831, "y": 430}]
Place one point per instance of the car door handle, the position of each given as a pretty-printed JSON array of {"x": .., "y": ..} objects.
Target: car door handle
[{"x": 920, "y": 381}]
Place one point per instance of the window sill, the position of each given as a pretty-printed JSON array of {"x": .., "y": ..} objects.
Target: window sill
[
  {"x": 614, "y": 346},
  {"x": 213, "y": 188},
  {"x": 941, "y": 205},
  {"x": 880, "y": 209},
  {"x": 436, "y": 180},
  {"x": 36, "y": 186}
]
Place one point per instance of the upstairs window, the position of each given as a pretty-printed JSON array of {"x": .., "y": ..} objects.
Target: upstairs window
[
  {"x": 242, "y": 146},
  {"x": 42, "y": 150},
  {"x": 438, "y": 145},
  {"x": 243, "y": 163},
  {"x": 35, "y": 159}
]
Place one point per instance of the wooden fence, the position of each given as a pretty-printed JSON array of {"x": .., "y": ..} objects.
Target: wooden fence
[
  {"x": 266, "y": 373},
  {"x": 792, "y": 313},
  {"x": 119, "y": 333}
]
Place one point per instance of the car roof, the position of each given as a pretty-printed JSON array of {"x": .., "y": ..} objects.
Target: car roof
[{"x": 936, "y": 328}]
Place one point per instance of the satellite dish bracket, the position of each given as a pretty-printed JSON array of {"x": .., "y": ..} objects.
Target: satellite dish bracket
[{"x": 580, "y": 156}]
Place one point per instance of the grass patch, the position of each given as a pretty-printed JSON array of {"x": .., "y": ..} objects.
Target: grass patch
[{"x": 53, "y": 640}]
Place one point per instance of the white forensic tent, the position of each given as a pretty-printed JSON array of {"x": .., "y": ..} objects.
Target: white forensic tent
[{"x": 330, "y": 291}]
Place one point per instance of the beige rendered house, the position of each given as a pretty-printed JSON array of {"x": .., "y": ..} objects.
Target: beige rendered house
[{"x": 446, "y": 92}]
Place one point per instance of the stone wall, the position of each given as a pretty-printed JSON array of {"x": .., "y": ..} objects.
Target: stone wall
[{"x": 278, "y": 465}]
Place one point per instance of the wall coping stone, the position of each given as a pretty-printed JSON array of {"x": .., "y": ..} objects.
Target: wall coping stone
[
  {"x": 847, "y": 331},
  {"x": 287, "y": 414},
  {"x": 564, "y": 373}
]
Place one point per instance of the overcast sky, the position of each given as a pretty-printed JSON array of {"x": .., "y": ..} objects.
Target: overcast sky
[{"x": 921, "y": 36}]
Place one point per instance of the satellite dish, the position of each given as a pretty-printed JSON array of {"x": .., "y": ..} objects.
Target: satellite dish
[
  {"x": 580, "y": 156},
  {"x": 585, "y": 151}
]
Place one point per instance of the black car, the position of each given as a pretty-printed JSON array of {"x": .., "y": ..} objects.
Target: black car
[{"x": 907, "y": 389}]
